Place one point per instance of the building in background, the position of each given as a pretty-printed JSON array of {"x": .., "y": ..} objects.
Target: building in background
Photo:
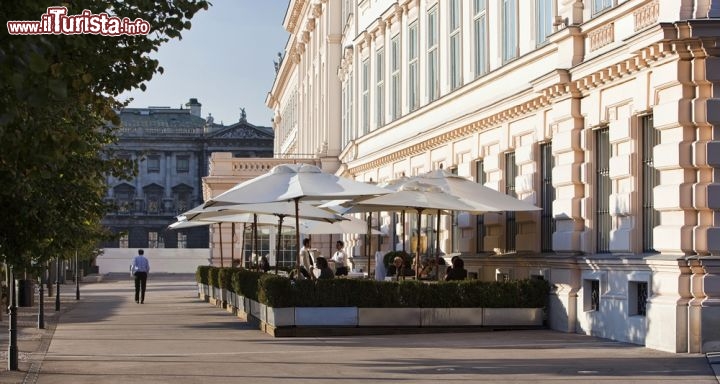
[
  {"x": 599, "y": 112},
  {"x": 172, "y": 149}
]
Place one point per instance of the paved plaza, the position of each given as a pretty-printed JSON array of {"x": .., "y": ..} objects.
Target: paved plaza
[{"x": 176, "y": 338}]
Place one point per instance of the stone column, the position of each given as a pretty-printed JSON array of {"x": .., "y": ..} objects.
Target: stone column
[
  {"x": 673, "y": 117},
  {"x": 562, "y": 306},
  {"x": 567, "y": 125},
  {"x": 710, "y": 311},
  {"x": 695, "y": 305},
  {"x": 667, "y": 305}
]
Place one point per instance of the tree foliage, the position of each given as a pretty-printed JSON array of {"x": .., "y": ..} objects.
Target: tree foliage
[{"x": 58, "y": 97}]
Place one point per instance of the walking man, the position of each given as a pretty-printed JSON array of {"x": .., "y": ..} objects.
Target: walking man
[{"x": 140, "y": 268}]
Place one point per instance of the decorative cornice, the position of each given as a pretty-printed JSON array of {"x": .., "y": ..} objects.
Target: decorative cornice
[
  {"x": 295, "y": 15},
  {"x": 316, "y": 10}
]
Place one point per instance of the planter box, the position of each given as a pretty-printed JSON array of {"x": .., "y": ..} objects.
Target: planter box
[
  {"x": 255, "y": 309},
  {"x": 512, "y": 316},
  {"x": 457, "y": 317},
  {"x": 280, "y": 317},
  {"x": 389, "y": 317},
  {"x": 326, "y": 316}
]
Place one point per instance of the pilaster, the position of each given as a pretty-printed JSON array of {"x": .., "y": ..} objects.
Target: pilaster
[
  {"x": 672, "y": 116},
  {"x": 695, "y": 305},
  {"x": 668, "y": 301},
  {"x": 567, "y": 124},
  {"x": 710, "y": 316}
]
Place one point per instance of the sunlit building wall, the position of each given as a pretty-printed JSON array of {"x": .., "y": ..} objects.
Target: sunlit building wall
[{"x": 601, "y": 112}]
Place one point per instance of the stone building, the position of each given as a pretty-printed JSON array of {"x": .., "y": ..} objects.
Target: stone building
[
  {"x": 172, "y": 148},
  {"x": 601, "y": 112}
]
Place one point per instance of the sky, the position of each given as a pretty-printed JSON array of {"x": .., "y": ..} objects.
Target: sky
[{"x": 225, "y": 61}]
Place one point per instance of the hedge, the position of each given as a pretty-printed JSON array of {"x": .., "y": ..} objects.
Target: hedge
[{"x": 280, "y": 292}]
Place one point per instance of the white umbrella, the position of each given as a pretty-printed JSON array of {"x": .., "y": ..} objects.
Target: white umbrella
[
  {"x": 295, "y": 182},
  {"x": 279, "y": 208},
  {"x": 258, "y": 213},
  {"x": 480, "y": 197}
]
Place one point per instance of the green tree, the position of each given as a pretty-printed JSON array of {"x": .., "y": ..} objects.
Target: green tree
[{"x": 58, "y": 97}]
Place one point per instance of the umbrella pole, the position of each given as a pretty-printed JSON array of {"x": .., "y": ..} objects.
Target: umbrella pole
[
  {"x": 279, "y": 242},
  {"x": 232, "y": 248},
  {"x": 297, "y": 238},
  {"x": 437, "y": 246},
  {"x": 255, "y": 243},
  {"x": 417, "y": 250},
  {"x": 221, "y": 245},
  {"x": 242, "y": 246},
  {"x": 368, "y": 238},
  {"x": 402, "y": 222}
]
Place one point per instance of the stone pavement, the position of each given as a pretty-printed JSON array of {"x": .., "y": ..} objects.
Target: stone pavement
[{"x": 176, "y": 338}]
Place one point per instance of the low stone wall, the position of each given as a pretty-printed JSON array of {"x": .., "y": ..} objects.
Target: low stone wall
[{"x": 162, "y": 260}]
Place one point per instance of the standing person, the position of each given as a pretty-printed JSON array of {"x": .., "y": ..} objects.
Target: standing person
[
  {"x": 341, "y": 260},
  {"x": 140, "y": 268},
  {"x": 306, "y": 260}
]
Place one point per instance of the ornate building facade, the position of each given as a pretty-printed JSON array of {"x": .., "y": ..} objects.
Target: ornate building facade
[
  {"x": 172, "y": 148},
  {"x": 601, "y": 112}
]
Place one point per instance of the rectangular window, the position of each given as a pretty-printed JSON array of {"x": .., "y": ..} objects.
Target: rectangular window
[
  {"x": 380, "y": 87},
  {"x": 351, "y": 105},
  {"x": 124, "y": 240},
  {"x": 344, "y": 113},
  {"x": 153, "y": 240},
  {"x": 544, "y": 20},
  {"x": 509, "y": 30},
  {"x": 547, "y": 192},
  {"x": 480, "y": 32},
  {"x": 395, "y": 75},
  {"x": 183, "y": 164},
  {"x": 637, "y": 298},
  {"x": 511, "y": 171},
  {"x": 603, "y": 188},
  {"x": 413, "y": 71},
  {"x": 480, "y": 223},
  {"x": 650, "y": 180},
  {"x": 365, "y": 96},
  {"x": 455, "y": 27},
  {"x": 153, "y": 163},
  {"x": 433, "y": 78},
  {"x": 601, "y": 5},
  {"x": 182, "y": 240},
  {"x": 591, "y": 295}
]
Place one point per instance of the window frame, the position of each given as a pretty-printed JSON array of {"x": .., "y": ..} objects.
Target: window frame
[
  {"x": 433, "y": 59},
  {"x": 480, "y": 40},
  {"x": 380, "y": 87},
  {"x": 396, "y": 80},
  {"x": 413, "y": 67},
  {"x": 455, "y": 44},
  {"x": 509, "y": 31}
]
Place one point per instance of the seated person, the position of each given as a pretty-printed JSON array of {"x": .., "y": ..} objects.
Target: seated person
[
  {"x": 457, "y": 270},
  {"x": 325, "y": 271},
  {"x": 395, "y": 269},
  {"x": 428, "y": 269}
]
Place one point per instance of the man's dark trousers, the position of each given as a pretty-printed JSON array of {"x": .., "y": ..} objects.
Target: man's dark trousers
[{"x": 140, "y": 283}]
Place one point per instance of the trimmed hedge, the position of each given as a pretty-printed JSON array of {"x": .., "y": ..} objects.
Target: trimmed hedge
[
  {"x": 201, "y": 274},
  {"x": 281, "y": 292},
  {"x": 245, "y": 283}
]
